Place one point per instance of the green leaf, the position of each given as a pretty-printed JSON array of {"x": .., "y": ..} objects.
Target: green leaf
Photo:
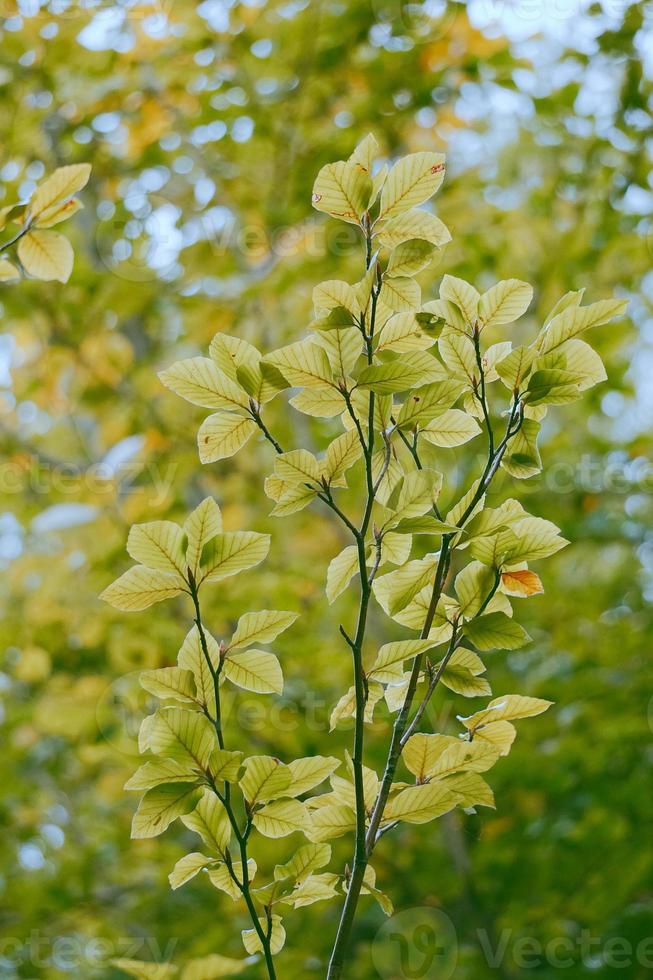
[
  {"x": 421, "y": 752},
  {"x": 401, "y": 374},
  {"x": 409, "y": 258},
  {"x": 402, "y": 333},
  {"x": 302, "y": 364},
  {"x": 161, "y": 805},
  {"x": 261, "y": 627},
  {"x": 464, "y": 296},
  {"x": 343, "y": 348},
  {"x": 308, "y": 858},
  {"x": 253, "y": 944},
  {"x": 340, "y": 572},
  {"x": 315, "y": 888},
  {"x": 343, "y": 190},
  {"x": 388, "y": 665},
  {"x": 496, "y": 631},
  {"x": 187, "y": 868},
  {"x": 575, "y": 319},
  {"x": 310, "y": 772},
  {"x": 366, "y": 150},
  {"x": 429, "y": 402},
  {"x": 170, "y": 682},
  {"x": 211, "y": 822},
  {"x": 199, "y": 381},
  {"x": 140, "y": 587},
  {"x": 510, "y": 707},
  {"x": 266, "y": 778},
  {"x": 457, "y": 352},
  {"x": 473, "y": 586},
  {"x": 341, "y": 454},
  {"x": 254, "y": 670},
  {"x": 230, "y": 353},
  {"x": 551, "y": 387},
  {"x": 515, "y": 367},
  {"x": 330, "y": 821},
  {"x": 419, "y": 804},
  {"x": 413, "y": 224},
  {"x": 452, "y": 428},
  {"x": 225, "y": 765},
  {"x": 159, "y": 545},
  {"x": 160, "y": 771},
  {"x": 584, "y": 363},
  {"x": 222, "y": 879},
  {"x": 335, "y": 293},
  {"x": 412, "y": 180},
  {"x": 191, "y": 657},
  {"x": 281, "y": 818},
  {"x": 400, "y": 294},
  {"x": 200, "y": 526},
  {"x": 323, "y": 402},
  {"x": 504, "y": 302},
  {"x": 232, "y": 552},
  {"x": 185, "y": 736},
  {"x": 222, "y": 434},
  {"x": 522, "y": 458},
  {"x": 533, "y": 538},
  {"x": 298, "y": 466},
  {"x": 396, "y": 589}
]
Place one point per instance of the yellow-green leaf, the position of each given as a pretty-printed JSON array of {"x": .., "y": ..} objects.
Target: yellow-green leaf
[
  {"x": 222, "y": 434},
  {"x": 254, "y": 670},
  {"x": 46, "y": 255},
  {"x": 412, "y": 180}
]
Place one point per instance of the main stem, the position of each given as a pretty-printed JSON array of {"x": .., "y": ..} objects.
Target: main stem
[{"x": 401, "y": 726}]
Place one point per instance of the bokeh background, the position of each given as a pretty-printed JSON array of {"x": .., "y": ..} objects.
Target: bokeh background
[{"x": 205, "y": 125}]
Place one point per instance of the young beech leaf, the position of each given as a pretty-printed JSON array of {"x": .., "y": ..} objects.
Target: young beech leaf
[
  {"x": 200, "y": 526},
  {"x": 266, "y": 778},
  {"x": 222, "y": 434},
  {"x": 335, "y": 293},
  {"x": 366, "y": 150},
  {"x": 253, "y": 944},
  {"x": 400, "y": 294},
  {"x": 452, "y": 428},
  {"x": 401, "y": 374},
  {"x": 210, "y": 821},
  {"x": 507, "y": 708},
  {"x": 429, "y": 402},
  {"x": 320, "y": 402},
  {"x": 161, "y": 805},
  {"x": 346, "y": 706},
  {"x": 340, "y": 572},
  {"x": 395, "y": 590},
  {"x": 297, "y": 466},
  {"x": 412, "y": 180},
  {"x": 343, "y": 190},
  {"x": 388, "y": 666},
  {"x": 411, "y": 225},
  {"x": 421, "y": 753},
  {"x": 343, "y": 348},
  {"x": 158, "y": 545},
  {"x": 504, "y": 302},
  {"x": 303, "y": 364},
  {"x": 213, "y": 967},
  {"x": 193, "y": 658},
  {"x": 573, "y": 320},
  {"x": 281, "y": 818},
  {"x": 419, "y": 804},
  {"x": 231, "y": 353},
  {"x": 464, "y": 757},
  {"x": 254, "y": 670},
  {"x": 170, "y": 682},
  {"x": 495, "y": 631},
  {"x": 402, "y": 333},
  {"x": 315, "y": 888},
  {"x": 180, "y": 734},
  {"x": 188, "y": 867},
  {"x": 308, "y": 858},
  {"x": 160, "y": 771},
  {"x": 220, "y": 877},
  {"x": 200, "y": 382},
  {"x": 140, "y": 587},
  {"x": 499, "y": 734},
  {"x": 457, "y": 352},
  {"x": 261, "y": 627},
  {"x": 330, "y": 821},
  {"x": 341, "y": 454},
  {"x": 409, "y": 258},
  {"x": 8, "y": 271},
  {"x": 232, "y": 552},
  {"x": 310, "y": 772},
  {"x": 464, "y": 296},
  {"x": 474, "y": 585},
  {"x": 471, "y": 789}
]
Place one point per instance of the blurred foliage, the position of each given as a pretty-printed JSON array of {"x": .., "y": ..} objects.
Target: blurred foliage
[{"x": 205, "y": 126}]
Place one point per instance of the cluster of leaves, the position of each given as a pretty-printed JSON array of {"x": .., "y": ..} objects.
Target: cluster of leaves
[
  {"x": 402, "y": 380},
  {"x": 42, "y": 253}
]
